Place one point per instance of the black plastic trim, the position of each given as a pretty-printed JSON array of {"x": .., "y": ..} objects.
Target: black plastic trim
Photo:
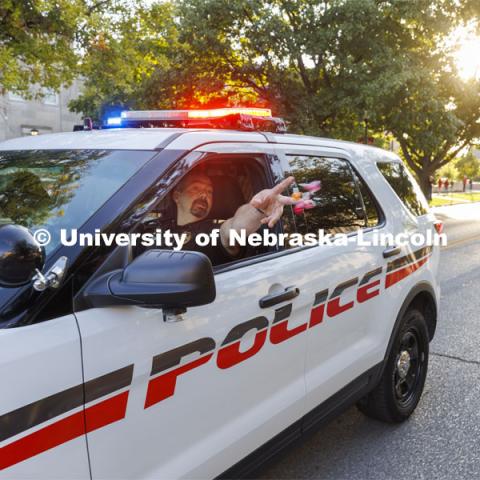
[
  {"x": 381, "y": 214},
  {"x": 270, "y": 300}
]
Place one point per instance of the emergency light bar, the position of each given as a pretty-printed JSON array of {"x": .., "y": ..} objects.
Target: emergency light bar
[
  {"x": 165, "y": 115},
  {"x": 246, "y": 119}
]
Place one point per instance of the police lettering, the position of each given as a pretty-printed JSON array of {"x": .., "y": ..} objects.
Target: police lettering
[{"x": 168, "y": 366}]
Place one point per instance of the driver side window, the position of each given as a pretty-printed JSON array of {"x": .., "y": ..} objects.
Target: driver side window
[{"x": 199, "y": 202}]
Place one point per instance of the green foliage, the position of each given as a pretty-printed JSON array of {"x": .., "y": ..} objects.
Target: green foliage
[
  {"x": 435, "y": 118},
  {"x": 37, "y": 43},
  {"x": 323, "y": 65},
  {"x": 320, "y": 64},
  {"x": 448, "y": 171},
  {"x": 16, "y": 205},
  {"x": 43, "y": 41},
  {"x": 127, "y": 50},
  {"x": 469, "y": 166}
]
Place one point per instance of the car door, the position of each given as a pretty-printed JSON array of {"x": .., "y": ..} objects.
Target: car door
[
  {"x": 208, "y": 389},
  {"x": 347, "y": 327},
  {"x": 49, "y": 189},
  {"x": 42, "y": 432}
]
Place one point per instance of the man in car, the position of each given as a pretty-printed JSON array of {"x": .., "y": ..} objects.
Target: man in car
[{"x": 193, "y": 197}]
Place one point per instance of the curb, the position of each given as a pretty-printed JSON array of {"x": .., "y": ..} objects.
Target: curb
[{"x": 455, "y": 205}]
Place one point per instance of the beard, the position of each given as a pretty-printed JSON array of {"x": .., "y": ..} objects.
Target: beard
[{"x": 199, "y": 208}]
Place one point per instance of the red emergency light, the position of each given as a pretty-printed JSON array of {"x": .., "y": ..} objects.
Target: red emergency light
[
  {"x": 222, "y": 112},
  {"x": 246, "y": 119}
]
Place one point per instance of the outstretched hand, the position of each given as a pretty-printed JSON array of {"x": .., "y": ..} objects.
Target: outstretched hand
[{"x": 271, "y": 202}]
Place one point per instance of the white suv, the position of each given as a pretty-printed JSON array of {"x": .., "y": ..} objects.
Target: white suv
[{"x": 121, "y": 362}]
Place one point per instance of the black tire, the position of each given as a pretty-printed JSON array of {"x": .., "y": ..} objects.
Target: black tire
[{"x": 397, "y": 394}]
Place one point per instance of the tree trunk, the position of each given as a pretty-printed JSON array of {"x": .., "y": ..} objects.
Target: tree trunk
[{"x": 425, "y": 183}]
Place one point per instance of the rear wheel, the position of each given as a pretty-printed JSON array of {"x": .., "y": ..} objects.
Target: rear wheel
[{"x": 396, "y": 396}]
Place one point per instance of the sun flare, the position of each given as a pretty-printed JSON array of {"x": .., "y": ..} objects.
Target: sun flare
[{"x": 467, "y": 53}]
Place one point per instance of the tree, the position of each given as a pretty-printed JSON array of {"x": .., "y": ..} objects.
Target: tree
[
  {"x": 41, "y": 41},
  {"x": 469, "y": 166},
  {"x": 320, "y": 64},
  {"x": 36, "y": 43},
  {"x": 123, "y": 55},
  {"x": 434, "y": 116},
  {"x": 448, "y": 171},
  {"x": 344, "y": 50}
]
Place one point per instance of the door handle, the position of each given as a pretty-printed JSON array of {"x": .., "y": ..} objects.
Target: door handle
[
  {"x": 391, "y": 252},
  {"x": 288, "y": 294}
]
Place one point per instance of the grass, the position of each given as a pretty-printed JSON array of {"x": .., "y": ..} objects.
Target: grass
[
  {"x": 438, "y": 202},
  {"x": 471, "y": 197},
  {"x": 454, "y": 198}
]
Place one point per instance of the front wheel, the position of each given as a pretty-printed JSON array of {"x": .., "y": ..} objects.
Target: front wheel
[{"x": 396, "y": 396}]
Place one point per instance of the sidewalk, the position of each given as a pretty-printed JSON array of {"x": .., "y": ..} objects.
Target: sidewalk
[{"x": 463, "y": 211}]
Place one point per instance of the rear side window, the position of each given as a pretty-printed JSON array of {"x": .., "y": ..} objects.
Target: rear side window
[
  {"x": 405, "y": 187},
  {"x": 333, "y": 199}
]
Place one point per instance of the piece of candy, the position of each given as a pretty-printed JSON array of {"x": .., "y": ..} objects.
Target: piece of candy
[
  {"x": 302, "y": 205},
  {"x": 298, "y": 210},
  {"x": 298, "y": 207},
  {"x": 296, "y": 195},
  {"x": 312, "y": 187}
]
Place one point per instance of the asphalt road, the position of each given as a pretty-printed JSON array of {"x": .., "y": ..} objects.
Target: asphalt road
[{"x": 442, "y": 439}]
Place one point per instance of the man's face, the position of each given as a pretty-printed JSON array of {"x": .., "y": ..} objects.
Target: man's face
[{"x": 194, "y": 196}]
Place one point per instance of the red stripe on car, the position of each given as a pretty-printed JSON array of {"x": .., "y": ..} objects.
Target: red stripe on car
[
  {"x": 64, "y": 430},
  {"x": 394, "y": 277}
]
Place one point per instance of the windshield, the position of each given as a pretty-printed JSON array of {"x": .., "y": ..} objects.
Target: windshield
[{"x": 62, "y": 189}]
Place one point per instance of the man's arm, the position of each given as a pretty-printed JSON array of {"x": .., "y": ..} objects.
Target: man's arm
[{"x": 266, "y": 207}]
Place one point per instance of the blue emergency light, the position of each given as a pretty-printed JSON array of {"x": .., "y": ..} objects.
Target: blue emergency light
[{"x": 114, "y": 121}]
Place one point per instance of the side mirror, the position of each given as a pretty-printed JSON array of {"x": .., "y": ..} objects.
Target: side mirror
[
  {"x": 157, "y": 278},
  {"x": 20, "y": 256}
]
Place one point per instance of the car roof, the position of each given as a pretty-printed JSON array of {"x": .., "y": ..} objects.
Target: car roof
[
  {"x": 118, "y": 139},
  {"x": 173, "y": 138},
  {"x": 360, "y": 150}
]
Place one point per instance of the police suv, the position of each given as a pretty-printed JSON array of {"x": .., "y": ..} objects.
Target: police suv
[{"x": 125, "y": 362}]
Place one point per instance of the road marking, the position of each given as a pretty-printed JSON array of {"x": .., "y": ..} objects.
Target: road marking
[{"x": 460, "y": 242}]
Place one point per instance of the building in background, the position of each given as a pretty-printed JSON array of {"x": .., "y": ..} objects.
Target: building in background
[{"x": 20, "y": 117}]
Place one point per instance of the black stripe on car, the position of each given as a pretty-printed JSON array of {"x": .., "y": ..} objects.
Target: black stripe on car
[
  {"x": 172, "y": 358},
  {"x": 35, "y": 413},
  {"x": 407, "y": 259}
]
